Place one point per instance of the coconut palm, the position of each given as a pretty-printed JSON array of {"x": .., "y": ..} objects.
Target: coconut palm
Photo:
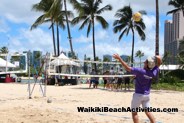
[
  {"x": 139, "y": 54},
  {"x": 166, "y": 57},
  {"x": 59, "y": 18},
  {"x": 177, "y": 4},
  {"x": 44, "y": 6},
  {"x": 68, "y": 27},
  {"x": 53, "y": 13},
  {"x": 89, "y": 11},
  {"x": 4, "y": 50},
  {"x": 124, "y": 24},
  {"x": 157, "y": 29}
]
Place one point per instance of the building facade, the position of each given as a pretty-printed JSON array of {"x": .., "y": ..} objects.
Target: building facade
[
  {"x": 173, "y": 33},
  {"x": 37, "y": 58}
]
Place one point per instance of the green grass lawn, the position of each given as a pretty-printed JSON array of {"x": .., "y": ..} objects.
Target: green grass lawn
[
  {"x": 168, "y": 86},
  {"x": 162, "y": 86}
]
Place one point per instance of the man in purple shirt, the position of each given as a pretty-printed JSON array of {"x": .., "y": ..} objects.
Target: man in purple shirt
[{"x": 143, "y": 81}]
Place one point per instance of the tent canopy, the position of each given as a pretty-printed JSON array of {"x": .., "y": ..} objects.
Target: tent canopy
[
  {"x": 4, "y": 63},
  {"x": 169, "y": 67},
  {"x": 63, "y": 60}
]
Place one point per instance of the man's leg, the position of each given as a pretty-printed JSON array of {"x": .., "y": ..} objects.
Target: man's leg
[
  {"x": 146, "y": 104},
  {"x": 136, "y": 102},
  {"x": 90, "y": 82},
  {"x": 135, "y": 117},
  {"x": 151, "y": 117}
]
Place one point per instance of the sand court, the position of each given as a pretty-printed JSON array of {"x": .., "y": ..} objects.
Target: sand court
[{"x": 17, "y": 108}]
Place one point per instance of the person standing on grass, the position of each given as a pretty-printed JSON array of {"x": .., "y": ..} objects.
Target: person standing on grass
[{"x": 143, "y": 82}]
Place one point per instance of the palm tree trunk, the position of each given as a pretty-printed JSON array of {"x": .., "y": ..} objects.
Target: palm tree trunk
[
  {"x": 132, "y": 59},
  {"x": 94, "y": 51},
  {"x": 58, "y": 44},
  {"x": 53, "y": 38},
  {"x": 140, "y": 62},
  {"x": 58, "y": 49},
  {"x": 68, "y": 28},
  {"x": 157, "y": 30}
]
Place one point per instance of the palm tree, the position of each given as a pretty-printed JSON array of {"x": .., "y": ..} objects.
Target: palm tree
[
  {"x": 177, "y": 4},
  {"x": 52, "y": 12},
  {"x": 59, "y": 18},
  {"x": 157, "y": 29},
  {"x": 89, "y": 11},
  {"x": 125, "y": 24},
  {"x": 139, "y": 54},
  {"x": 68, "y": 27},
  {"x": 165, "y": 58},
  {"x": 4, "y": 50},
  {"x": 180, "y": 56},
  {"x": 44, "y": 6}
]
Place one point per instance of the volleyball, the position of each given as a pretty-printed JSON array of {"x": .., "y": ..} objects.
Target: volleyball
[{"x": 137, "y": 17}]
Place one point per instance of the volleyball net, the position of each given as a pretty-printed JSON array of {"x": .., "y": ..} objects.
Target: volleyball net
[{"x": 78, "y": 68}]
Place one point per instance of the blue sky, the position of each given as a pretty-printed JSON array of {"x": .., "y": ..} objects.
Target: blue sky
[{"x": 16, "y": 17}]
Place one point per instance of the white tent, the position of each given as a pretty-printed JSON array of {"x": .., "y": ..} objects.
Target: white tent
[
  {"x": 169, "y": 67},
  {"x": 4, "y": 63},
  {"x": 63, "y": 60}
]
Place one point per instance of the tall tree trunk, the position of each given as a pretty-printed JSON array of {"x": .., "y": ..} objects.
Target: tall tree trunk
[
  {"x": 94, "y": 51},
  {"x": 68, "y": 28},
  {"x": 157, "y": 29},
  {"x": 53, "y": 38},
  {"x": 58, "y": 49},
  {"x": 58, "y": 44},
  {"x": 132, "y": 59}
]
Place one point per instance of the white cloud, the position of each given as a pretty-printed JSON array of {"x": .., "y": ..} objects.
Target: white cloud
[
  {"x": 3, "y": 26},
  {"x": 147, "y": 5},
  {"x": 31, "y": 40},
  {"x": 82, "y": 39},
  {"x": 18, "y": 11}
]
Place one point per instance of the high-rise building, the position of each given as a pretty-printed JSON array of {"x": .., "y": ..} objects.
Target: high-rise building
[
  {"x": 37, "y": 58},
  {"x": 174, "y": 32}
]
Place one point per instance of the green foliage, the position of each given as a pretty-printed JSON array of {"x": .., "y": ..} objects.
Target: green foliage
[
  {"x": 167, "y": 86},
  {"x": 124, "y": 24},
  {"x": 177, "y": 73},
  {"x": 169, "y": 79}
]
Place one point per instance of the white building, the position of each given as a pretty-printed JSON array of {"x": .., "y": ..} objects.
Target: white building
[{"x": 174, "y": 32}]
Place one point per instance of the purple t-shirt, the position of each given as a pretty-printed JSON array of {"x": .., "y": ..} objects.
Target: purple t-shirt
[{"x": 143, "y": 79}]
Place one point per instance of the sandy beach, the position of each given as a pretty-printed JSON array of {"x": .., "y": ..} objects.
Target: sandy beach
[{"x": 16, "y": 107}]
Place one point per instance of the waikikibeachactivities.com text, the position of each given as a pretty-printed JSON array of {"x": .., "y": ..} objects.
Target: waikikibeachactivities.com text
[{"x": 123, "y": 109}]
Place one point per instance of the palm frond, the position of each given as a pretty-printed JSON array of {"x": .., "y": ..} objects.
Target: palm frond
[
  {"x": 102, "y": 21},
  {"x": 76, "y": 20},
  {"x": 89, "y": 28},
  {"x": 105, "y": 8},
  {"x": 119, "y": 27},
  {"x": 38, "y": 22},
  {"x": 85, "y": 22},
  {"x": 172, "y": 11},
  {"x": 141, "y": 32},
  {"x": 141, "y": 24},
  {"x": 121, "y": 35}
]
